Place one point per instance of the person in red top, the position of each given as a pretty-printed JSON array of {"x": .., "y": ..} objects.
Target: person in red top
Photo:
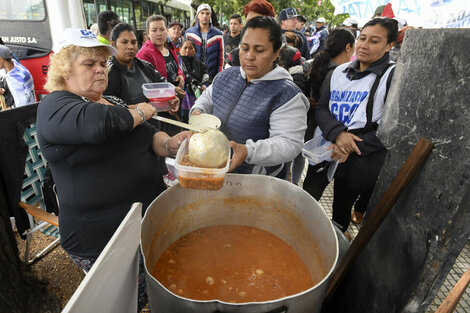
[{"x": 157, "y": 51}]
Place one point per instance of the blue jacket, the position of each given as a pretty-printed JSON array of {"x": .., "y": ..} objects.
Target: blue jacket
[
  {"x": 214, "y": 48},
  {"x": 317, "y": 40}
]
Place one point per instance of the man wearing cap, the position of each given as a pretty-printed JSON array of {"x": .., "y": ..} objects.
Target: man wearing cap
[
  {"x": 208, "y": 39},
  {"x": 233, "y": 36},
  {"x": 106, "y": 21},
  {"x": 318, "y": 37},
  {"x": 288, "y": 21},
  {"x": 175, "y": 30},
  {"x": 16, "y": 82},
  {"x": 351, "y": 24}
]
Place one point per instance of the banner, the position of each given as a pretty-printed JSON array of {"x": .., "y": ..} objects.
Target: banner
[{"x": 419, "y": 13}]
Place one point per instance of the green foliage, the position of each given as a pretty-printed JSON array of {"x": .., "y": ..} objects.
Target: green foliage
[
  {"x": 308, "y": 8},
  {"x": 311, "y": 11}
]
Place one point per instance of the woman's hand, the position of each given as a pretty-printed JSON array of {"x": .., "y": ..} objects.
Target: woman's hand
[
  {"x": 346, "y": 143},
  {"x": 148, "y": 109},
  {"x": 203, "y": 88},
  {"x": 141, "y": 112},
  {"x": 180, "y": 92},
  {"x": 174, "y": 143},
  {"x": 337, "y": 155},
  {"x": 196, "y": 112},
  {"x": 164, "y": 145},
  {"x": 174, "y": 105},
  {"x": 240, "y": 152},
  {"x": 180, "y": 80}
]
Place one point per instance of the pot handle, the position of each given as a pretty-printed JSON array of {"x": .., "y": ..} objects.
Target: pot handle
[{"x": 282, "y": 309}]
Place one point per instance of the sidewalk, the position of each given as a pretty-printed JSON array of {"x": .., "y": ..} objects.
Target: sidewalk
[{"x": 460, "y": 267}]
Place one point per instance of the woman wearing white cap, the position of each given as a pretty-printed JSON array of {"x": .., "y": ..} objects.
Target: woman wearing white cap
[{"x": 102, "y": 152}]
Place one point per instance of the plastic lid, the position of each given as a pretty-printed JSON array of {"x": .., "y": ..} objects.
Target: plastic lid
[{"x": 205, "y": 120}]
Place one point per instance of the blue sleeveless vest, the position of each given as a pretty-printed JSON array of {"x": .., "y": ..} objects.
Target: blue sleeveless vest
[{"x": 245, "y": 108}]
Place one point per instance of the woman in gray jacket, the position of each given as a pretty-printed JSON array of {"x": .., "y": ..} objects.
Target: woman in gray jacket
[{"x": 263, "y": 112}]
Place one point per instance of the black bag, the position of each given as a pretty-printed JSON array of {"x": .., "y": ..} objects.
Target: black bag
[{"x": 49, "y": 192}]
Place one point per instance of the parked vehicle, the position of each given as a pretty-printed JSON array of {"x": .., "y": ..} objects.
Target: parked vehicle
[{"x": 32, "y": 28}]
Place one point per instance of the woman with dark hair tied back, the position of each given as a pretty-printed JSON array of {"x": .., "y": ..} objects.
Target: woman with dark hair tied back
[
  {"x": 127, "y": 74},
  {"x": 350, "y": 106},
  {"x": 289, "y": 57},
  {"x": 339, "y": 48},
  {"x": 263, "y": 112}
]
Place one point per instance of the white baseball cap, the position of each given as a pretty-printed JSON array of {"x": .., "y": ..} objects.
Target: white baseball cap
[
  {"x": 203, "y": 6},
  {"x": 321, "y": 20},
  {"x": 349, "y": 22},
  {"x": 82, "y": 38}
]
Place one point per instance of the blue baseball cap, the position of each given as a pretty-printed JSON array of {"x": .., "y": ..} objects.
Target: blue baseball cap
[{"x": 287, "y": 14}]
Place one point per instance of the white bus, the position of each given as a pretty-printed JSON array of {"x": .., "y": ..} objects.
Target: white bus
[{"x": 32, "y": 28}]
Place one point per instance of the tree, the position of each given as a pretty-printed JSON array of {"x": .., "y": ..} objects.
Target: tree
[
  {"x": 308, "y": 8},
  {"x": 311, "y": 10}
]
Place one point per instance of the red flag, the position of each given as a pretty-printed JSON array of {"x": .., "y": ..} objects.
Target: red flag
[{"x": 388, "y": 12}]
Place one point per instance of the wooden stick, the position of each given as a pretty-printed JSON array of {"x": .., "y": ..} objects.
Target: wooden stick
[
  {"x": 450, "y": 302},
  {"x": 180, "y": 124},
  {"x": 414, "y": 161}
]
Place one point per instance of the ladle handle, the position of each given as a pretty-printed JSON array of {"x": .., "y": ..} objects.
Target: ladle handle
[{"x": 180, "y": 124}]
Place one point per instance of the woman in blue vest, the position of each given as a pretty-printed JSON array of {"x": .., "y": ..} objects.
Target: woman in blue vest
[
  {"x": 263, "y": 112},
  {"x": 349, "y": 111}
]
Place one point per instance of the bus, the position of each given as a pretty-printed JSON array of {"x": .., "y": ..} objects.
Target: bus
[{"x": 33, "y": 28}]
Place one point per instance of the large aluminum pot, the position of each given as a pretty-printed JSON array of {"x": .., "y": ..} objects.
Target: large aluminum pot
[{"x": 259, "y": 201}]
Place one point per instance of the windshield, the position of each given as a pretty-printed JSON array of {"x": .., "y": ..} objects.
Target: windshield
[{"x": 33, "y": 10}]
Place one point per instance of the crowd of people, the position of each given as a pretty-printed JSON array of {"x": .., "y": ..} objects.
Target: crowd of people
[{"x": 275, "y": 83}]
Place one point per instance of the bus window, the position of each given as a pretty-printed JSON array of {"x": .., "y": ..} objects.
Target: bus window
[
  {"x": 123, "y": 9},
  {"x": 140, "y": 21},
  {"x": 22, "y": 10},
  {"x": 92, "y": 8},
  {"x": 147, "y": 9}
]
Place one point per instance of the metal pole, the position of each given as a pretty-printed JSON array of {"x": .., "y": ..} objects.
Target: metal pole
[
  {"x": 133, "y": 14},
  {"x": 221, "y": 14}
]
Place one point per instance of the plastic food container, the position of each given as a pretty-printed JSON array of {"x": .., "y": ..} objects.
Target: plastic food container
[
  {"x": 315, "y": 150},
  {"x": 198, "y": 177},
  {"x": 159, "y": 95}
]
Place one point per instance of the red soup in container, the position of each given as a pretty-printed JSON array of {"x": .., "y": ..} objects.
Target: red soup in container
[{"x": 159, "y": 95}]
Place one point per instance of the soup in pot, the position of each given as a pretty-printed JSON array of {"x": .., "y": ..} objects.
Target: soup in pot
[{"x": 233, "y": 263}]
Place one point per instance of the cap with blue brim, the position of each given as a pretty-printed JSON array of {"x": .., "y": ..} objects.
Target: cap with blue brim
[{"x": 82, "y": 38}]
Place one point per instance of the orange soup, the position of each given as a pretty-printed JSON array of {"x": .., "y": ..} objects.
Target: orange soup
[{"x": 234, "y": 264}]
